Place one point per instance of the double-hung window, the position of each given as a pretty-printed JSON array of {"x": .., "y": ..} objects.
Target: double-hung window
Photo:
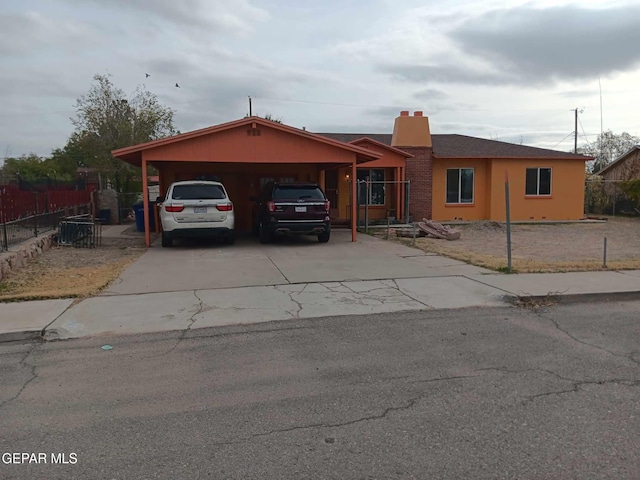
[
  {"x": 459, "y": 185},
  {"x": 376, "y": 186},
  {"x": 538, "y": 181}
]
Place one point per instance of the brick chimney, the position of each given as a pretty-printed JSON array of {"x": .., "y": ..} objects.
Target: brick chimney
[
  {"x": 412, "y": 134},
  {"x": 411, "y": 131}
]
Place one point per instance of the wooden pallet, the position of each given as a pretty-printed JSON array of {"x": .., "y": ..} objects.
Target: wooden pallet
[
  {"x": 408, "y": 232},
  {"x": 437, "y": 230}
]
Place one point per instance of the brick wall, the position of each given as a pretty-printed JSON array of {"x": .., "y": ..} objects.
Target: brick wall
[{"x": 420, "y": 172}]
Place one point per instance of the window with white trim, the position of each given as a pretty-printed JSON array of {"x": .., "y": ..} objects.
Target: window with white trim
[
  {"x": 538, "y": 181},
  {"x": 460, "y": 185},
  {"x": 376, "y": 186}
]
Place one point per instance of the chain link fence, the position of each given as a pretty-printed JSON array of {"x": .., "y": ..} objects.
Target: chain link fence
[{"x": 608, "y": 197}]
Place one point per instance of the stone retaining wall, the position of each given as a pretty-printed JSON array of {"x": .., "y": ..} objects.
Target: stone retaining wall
[{"x": 19, "y": 255}]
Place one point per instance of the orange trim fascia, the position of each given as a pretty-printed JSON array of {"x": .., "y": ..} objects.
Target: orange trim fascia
[{"x": 382, "y": 145}]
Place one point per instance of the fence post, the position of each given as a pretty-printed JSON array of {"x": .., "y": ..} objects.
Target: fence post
[
  {"x": 366, "y": 207},
  {"x": 407, "y": 200},
  {"x": 5, "y": 240},
  {"x": 35, "y": 217}
]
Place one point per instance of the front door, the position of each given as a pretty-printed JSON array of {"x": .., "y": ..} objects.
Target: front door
[{"x": 331, "y": 191}]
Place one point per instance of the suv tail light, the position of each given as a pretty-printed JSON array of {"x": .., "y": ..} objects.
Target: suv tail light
[
  {"x": 225, "y": 207},
  {"x": 327, "y": 204},
  {"x": 174, "y": 208},
  {"x": 271, "y": 206}
]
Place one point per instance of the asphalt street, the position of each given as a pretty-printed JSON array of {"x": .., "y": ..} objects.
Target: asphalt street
[{"x": 507, "y": 392}]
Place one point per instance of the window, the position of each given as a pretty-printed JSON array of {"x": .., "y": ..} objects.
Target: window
[
  {"x": 297, "y": 192},
  {"x": 459, "y": 185},
  {"x": 198, "y": 191},
  {"x": 538, "y": 181},
  {"x": 376, "y": 187}
]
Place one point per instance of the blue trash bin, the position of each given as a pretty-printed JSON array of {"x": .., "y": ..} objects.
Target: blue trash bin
[{"x": 138, "y": 210}]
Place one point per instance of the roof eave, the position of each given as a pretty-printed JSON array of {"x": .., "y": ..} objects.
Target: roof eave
[
  {"x": 507, "y": 157},
  {"x": 382, "y": 145}
]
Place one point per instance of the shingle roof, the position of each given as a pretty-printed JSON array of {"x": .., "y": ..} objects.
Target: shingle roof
[{"x": 462, "y": 146}]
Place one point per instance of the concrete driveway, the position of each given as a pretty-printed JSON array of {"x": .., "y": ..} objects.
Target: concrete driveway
[{"x": 200, "y": 266}]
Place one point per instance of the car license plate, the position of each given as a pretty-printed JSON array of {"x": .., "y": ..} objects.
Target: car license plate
[
  {"x": 199, "y": 209},
  {"x": 301, "y": 209}
]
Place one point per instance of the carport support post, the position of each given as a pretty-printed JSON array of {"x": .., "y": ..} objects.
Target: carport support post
[
  {"x": 145, "y": 201},
  {"x": 354, "y": 201}
]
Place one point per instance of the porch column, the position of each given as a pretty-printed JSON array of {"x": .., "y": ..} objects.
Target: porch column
[
  {"x": 396, "y": 178},
  {"x": 145, "y": 201},
  {"x": 403, "y": 192},
  {"x": 321, "y": 179},
  {"x": 354, "y": 199}
]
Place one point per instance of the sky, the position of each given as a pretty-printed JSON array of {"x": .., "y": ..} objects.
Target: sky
[{"x": 513, "y": 71}]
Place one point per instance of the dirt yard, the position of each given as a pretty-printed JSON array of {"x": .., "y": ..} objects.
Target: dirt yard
[
  {"x": 68, "y": 272},
  {"x": 542, "y": 248}
]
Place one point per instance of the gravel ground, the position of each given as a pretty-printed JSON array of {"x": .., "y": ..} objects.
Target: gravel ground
[
  {"x": 550, "y": 247},
  {"x": 67, "y": 272}
]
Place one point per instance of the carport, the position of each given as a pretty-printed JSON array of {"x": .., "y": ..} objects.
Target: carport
[{"x": 244, "y": 155}]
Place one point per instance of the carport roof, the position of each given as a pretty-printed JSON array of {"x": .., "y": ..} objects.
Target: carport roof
[{"x": 133, "y": 154}]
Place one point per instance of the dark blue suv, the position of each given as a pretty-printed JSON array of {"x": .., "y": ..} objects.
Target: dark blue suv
[{"x": 292, "y": 208}]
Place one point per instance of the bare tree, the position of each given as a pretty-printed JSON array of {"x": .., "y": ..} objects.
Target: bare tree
[{"x": 607, "y": 147}]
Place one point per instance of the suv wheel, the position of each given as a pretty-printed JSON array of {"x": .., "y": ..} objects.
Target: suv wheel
[
  {"x": 263, "y": 234},
  {"x": 166, "y": 241},
  {"x": 230, "y": 238},
  {"x": 324, "y": 236}
]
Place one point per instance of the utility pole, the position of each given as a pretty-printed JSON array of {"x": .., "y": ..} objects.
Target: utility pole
[{"x": 575, "y": 138}]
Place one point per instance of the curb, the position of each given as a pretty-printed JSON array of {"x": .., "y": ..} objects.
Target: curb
[
  {"x": 21, "y": 336},
  {"x": 569, "y": 298}
]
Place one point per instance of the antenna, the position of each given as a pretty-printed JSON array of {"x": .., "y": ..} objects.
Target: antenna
[
  {"x": 250, "y": 109},
  {"x": 575, "y": 137},
  {"x": 601, "y": 128}
]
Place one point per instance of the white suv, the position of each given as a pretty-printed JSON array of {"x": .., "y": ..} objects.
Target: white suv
[{"x": 196, "y": 209}]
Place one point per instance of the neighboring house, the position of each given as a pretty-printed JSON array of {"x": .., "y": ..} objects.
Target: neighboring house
[
  {"x": 625, "y": 167},
  {"x": 407, "y": 173},
  {"x": 613, "y": 194}
]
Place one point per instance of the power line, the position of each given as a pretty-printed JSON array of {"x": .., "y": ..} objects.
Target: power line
[
  {"x": 401, "y": 107},
  {"x": 570, "y": 133}
]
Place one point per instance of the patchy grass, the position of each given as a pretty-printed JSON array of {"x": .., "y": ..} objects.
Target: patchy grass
[
  {"x": 67, "y": 272},
  {"x": 570, "y": 247}
]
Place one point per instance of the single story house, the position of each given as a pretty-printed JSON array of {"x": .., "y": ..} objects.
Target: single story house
[
  {"x": 410, "y": 173},
  {"x": 625, "y": 167}
]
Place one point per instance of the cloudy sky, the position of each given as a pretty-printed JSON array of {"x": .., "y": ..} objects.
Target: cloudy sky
[{"x": 511, "y": 71}]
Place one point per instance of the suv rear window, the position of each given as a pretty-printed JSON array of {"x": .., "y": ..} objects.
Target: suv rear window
[
  {"x": 295, "y": 192},
  {"x": 198, "y": 192}
]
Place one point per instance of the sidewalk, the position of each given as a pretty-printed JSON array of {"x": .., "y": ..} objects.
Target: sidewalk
[{"x": 189, "y": 309}]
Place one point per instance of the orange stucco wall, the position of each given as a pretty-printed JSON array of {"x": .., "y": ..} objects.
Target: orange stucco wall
[
  {"x": 478, "y": 210},
  {"x": 566, "y": 201}
]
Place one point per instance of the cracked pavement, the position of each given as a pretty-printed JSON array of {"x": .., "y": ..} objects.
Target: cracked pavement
[
  {"x": 163, "y": 311},
  {"x": 466, "y": 393}
]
